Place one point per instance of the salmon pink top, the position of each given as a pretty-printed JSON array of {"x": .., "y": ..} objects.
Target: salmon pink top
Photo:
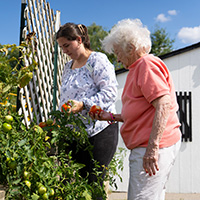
[{"x": 148, "y": 79}]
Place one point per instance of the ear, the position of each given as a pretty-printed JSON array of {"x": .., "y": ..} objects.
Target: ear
[{"x": 79, "y": 39}]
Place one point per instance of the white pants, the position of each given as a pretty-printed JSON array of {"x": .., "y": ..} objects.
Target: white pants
[{"x": 145, "y": 187}]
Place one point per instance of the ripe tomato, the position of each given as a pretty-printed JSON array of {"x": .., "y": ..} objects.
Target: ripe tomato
[
  {"x": 95, "y": 109},
  {"x": 66, "y": 107},
  {"x": 42, "y": 124},
  {"x": 6, "y": 127},
  {"x": 42, "y": 190},
  {"x": 8, "y": 118}
]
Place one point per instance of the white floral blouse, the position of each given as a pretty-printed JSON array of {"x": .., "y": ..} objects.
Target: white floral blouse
[{"x": 95, "y": 84}]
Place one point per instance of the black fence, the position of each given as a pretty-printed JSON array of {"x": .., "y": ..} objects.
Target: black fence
[{"x": 184, "y": 100}]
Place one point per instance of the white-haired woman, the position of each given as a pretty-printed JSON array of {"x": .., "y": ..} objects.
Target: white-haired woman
[{"x": 150, "y": 126}]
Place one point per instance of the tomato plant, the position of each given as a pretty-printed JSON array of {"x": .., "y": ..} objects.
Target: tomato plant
[
  {"x": 35, "y": 156},
  {"x": 25, "y": 79},
  {"x": 27, "y": 170}
]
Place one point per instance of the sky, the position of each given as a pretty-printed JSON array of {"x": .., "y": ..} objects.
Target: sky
[{"x": 180, "y": 18}]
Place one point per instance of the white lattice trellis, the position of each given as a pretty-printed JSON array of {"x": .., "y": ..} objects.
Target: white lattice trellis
[{"x": 37, "y": 97}]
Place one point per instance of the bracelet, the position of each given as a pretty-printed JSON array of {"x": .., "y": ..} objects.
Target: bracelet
[{"x": 112, "y": 117}]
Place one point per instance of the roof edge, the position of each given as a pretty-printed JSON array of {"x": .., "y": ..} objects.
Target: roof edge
[
  {"x": 167, "y": 55},
  {"x": 179, "y": 51}
]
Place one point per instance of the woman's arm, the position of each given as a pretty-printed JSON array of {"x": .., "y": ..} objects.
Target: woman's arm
[
  {"x": 118, "y": 118},
  {"x": 105, "y": 83},
  {"x": 150, "y": 160}
]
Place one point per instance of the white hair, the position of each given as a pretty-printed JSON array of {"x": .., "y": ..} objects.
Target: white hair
[{"x": 128, "y": 32}]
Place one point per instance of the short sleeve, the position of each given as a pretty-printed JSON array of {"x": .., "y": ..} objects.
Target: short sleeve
[{"x": 153, "y": 80}]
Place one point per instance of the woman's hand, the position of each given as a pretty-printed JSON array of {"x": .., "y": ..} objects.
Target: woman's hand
[{"x": 76, "y": 106}]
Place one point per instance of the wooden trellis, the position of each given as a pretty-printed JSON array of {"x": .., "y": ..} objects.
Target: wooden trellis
[{"x": 37, "y": 97}]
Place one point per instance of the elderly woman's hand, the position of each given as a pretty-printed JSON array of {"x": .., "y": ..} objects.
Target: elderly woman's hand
[
  {"x": 102, "y": 116},
  {"x": 150, "y": 159}
]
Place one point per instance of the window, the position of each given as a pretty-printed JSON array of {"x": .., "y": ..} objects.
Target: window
[{"x": 184, "y": 100}]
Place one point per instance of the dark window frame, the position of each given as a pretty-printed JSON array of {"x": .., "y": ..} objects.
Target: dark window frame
[{"x": 184, "y": 100}]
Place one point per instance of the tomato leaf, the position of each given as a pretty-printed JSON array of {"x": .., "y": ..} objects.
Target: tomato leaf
[
  {"x": 35, "y": 197},
  {"x": 17, "y": 181},
  {"x": 22, "y": 142},
  {"x": 8, "y": 87}
]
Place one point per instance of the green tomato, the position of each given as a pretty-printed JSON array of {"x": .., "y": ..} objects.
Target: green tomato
[
  {"x": 26, "y": 174},
  {"x": 7, "y": 159},
  {"x": 42, "y": 190},
  {"x": 51, "y": 192},
  {"x": 38, "y": 184},
  {"x": 6, "y": 127},
  {"x": 38, "y": 129},
  {"x": 8, "y": 118},
  {"x": 49, "y": 121},
  {"x": 45, "y": 196},
  {"x": 12, "y": 164},
  {"x": 28, "y": 183}
]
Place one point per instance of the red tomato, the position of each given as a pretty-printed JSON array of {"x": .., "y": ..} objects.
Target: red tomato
[
  {"x": 42, "y": 124},
  {"x": 95, "y": 109},
  {"x": 66, "y": 107}
]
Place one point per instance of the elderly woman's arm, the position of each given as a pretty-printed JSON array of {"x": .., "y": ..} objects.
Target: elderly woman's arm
[
  {"x": 150, "y": 160},
  {"x": 107, "y": 116}
]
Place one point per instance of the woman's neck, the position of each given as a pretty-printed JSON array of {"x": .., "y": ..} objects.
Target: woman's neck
[{"x": 82, "y": 60}]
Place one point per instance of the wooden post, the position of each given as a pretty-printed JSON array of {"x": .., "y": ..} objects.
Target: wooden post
[{"x": 22, "y": 26}]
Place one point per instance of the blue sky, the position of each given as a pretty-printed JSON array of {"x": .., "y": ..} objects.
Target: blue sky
[{"x": 180, "y": 18}]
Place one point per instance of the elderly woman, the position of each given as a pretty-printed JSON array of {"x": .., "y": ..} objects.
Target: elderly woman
[{"x": 150, "y": 126}]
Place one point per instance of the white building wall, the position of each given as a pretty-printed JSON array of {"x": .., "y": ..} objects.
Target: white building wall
[
  {"x": 185, "y": 70},
  {"x": 185, "y": 176},
  {"x": 122, "y": 186}
]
